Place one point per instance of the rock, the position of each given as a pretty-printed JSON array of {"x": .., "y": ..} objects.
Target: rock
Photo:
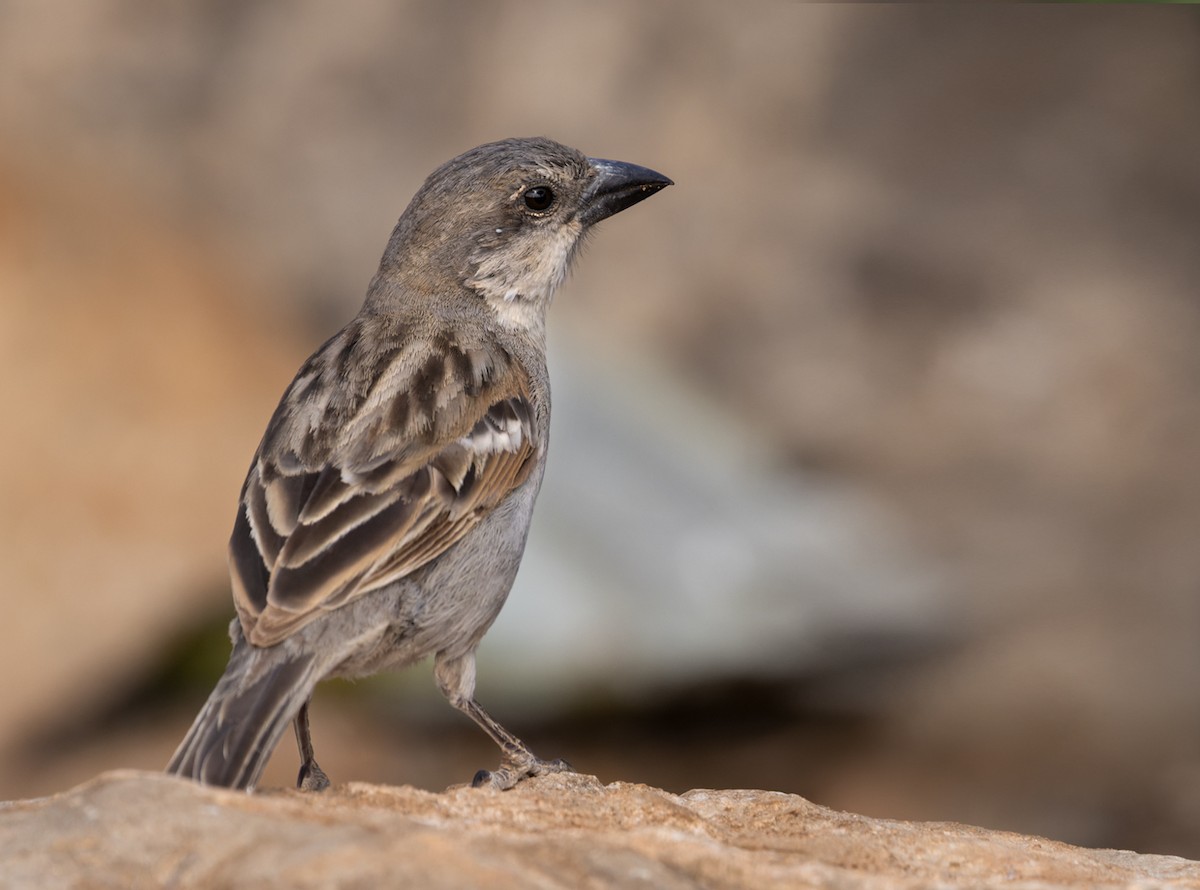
[{"x": 133, "y": 829}]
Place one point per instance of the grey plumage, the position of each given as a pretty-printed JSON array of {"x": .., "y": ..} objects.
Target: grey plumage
[{"x": 385, "y": 513}]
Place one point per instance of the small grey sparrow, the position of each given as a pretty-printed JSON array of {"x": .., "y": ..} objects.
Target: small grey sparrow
[{"x": 386, "y": 510}]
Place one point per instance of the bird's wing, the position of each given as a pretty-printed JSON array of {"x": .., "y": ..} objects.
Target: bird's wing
[{"x": 345, "y": 498}]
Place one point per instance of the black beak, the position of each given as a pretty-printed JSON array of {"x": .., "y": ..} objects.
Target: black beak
[{"x": 617, "y": 185}]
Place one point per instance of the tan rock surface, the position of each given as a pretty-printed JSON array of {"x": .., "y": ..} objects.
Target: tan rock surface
[{"x": 132, "y": 829}]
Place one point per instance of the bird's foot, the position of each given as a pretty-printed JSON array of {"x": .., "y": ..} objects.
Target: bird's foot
[
  {"x": 512, "y": 772},
  {"x": 312, "y": 777}
]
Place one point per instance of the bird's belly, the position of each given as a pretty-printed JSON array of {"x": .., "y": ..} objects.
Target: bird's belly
[{"x": 449, "y": 604}]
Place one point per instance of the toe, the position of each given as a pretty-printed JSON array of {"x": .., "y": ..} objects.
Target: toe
[{"x": 552, "y": 766}]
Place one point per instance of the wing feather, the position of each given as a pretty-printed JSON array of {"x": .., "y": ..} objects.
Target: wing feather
[{"x": 326, "y": 517}]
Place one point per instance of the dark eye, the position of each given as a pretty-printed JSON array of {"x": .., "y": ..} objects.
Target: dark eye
[{"x": 539, "y": 198}]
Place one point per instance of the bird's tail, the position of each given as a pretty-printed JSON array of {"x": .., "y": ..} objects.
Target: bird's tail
[{"x": 243, "y": 720}]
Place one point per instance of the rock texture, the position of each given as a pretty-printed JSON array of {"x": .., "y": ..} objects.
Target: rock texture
[{"x": 131, "y": 829}]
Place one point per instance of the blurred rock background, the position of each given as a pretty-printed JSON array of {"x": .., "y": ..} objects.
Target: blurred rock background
[{"x": 874, "y": 476}]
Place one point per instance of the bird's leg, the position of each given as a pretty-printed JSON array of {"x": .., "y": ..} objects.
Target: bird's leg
[
  {"x": 456, "y": 678},
  {"x": 517, "y": 763},
  {"x": 312, "y": 777}
]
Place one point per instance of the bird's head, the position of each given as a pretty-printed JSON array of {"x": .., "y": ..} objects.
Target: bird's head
[{"x": 505, "y": 219}]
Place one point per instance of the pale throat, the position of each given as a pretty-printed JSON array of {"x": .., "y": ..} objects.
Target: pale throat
[{"x": 518, "y": 279}]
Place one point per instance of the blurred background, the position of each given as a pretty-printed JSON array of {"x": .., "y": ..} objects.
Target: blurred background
[{"x": 874, "y": 470}]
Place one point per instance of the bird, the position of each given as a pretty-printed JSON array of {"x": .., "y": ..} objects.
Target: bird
[{"x": 386, "y": 509}]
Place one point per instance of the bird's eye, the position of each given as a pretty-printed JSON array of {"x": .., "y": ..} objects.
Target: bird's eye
[{"x": 539, "y": 198}]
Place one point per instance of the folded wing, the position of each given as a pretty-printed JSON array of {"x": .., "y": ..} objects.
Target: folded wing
[{"x": 382, "y": 492}]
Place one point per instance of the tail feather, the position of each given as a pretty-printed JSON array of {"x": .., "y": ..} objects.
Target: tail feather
[{"x": 239, "y": 726}]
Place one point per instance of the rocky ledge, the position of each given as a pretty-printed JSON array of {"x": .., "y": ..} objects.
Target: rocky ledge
[{"x": 133, "y": 829}]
